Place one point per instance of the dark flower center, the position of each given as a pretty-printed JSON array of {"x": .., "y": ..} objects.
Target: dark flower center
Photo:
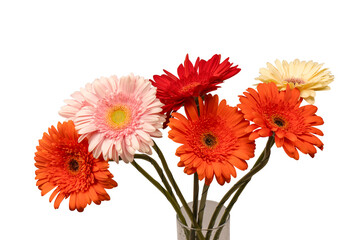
[
  {"x": 73, "y": 165},
  {"x": 279, "y": 122},
  {"x": 209, "y": 140}
]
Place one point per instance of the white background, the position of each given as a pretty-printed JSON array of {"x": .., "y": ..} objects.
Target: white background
[{"x": 49, "y": 49}]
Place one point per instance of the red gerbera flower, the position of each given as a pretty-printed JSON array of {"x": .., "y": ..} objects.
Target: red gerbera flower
[
  {"x": 214, "y": 141},
  {"x": 280, "y": 113},
  {"x": 193, "y": 81},
  {"x": 65, "y": 165}
]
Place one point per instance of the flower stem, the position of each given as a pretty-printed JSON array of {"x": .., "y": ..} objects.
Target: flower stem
[
  {"x": 177, "y": 190},
  {"x": 166, "y": 183},
  {"x": 195, "y": 201},
  {"x": 195, "y": 195},
  {"x": 161, "y": 189},
  {"x": 259, "y": 164},
  {"x": 202, "y": 204},
  {"x": 160, "y": 173}
]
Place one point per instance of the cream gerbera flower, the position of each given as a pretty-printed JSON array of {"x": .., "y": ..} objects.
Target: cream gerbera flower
[
  {"x": 308, "y": 77},
  {"x": 117, "y": 116}
]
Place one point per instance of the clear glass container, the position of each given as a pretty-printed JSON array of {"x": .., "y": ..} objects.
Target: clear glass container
[{"x": 216, "y": 233}]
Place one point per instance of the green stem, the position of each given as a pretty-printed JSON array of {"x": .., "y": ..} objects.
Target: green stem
[
  {"x": 177, "y": 190},
  {"x": 228, "y": 209},
  {"x": 161, "y": 189},
  {"x": 160, "y": 173},
  {"x": 195, "y": 201},
  {"x": 260, "y": 163},
  {"x": 202, "y": 204},
  {"x": 195, "y": 195}
]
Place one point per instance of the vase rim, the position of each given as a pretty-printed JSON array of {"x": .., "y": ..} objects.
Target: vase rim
[{"x": 204, "y": 229}]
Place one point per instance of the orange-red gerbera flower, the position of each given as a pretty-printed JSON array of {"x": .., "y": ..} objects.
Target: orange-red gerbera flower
[
  {"x": 193, "y": 81},
  {"x": 214, "y": 139},
  {"x": 67, "y": 166},
  {"x": 279, "y": 112}
]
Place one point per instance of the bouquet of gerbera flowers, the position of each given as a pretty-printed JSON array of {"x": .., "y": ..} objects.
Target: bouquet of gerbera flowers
[{"x": 116, "y": 119}]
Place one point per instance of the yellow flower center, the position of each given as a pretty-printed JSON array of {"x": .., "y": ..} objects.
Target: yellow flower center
[{"x": 118, "y": 116}]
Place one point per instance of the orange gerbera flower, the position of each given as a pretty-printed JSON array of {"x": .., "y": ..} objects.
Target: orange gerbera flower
[
  {"x": 67, "y": 166},
  {"x": 279, "y": 112},
  {"x": 214, "y": 139}
]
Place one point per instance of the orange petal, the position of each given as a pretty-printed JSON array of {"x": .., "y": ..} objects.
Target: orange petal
[
  {"x": 220, "y": 179},
  {"x": 201, "y": 168},
  {"x": 292, "y": 137},
  {"x": 240, "y": 164},
  {"x": 46, "y": 187},
  {"x": 209, "y": 171},
  {"x": 54, "y": 193},
  {"x": 191, "y": 111},
  {"x": 58, "y": 200},
  {"x": 265, "y": 132},
  {"x": 72, "y": 201}
]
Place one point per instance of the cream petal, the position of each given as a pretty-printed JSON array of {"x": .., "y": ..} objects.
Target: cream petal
[
  {"x": 89, "y": 97},
  {"x": 128, "y": 157},
  {"x": 135, "y": 142},
  {"x": 82, "y": 137},
  {"x": 105, "y": 147},
  {"x": 149, "y": 119},
  {"x": 94, "y": 140},
  {"x": 99, "y": 88},
  {"x": 145, "y": 148},
  {"x": 127, "y": 140},
  {"x": 73, "y": 103},
  {"x": 85, "y": 112},
  {"x": 150, "y": 97},
  {"x": 148, "y": 127},
  {"x": 112, "y": 83},
  {"x": 157, "y": 133},
  {"x": 145, "y": 136},
  {"x": 88, "y": 129},
  {"x": 156, "y": 104},
  {"x": 154, "y": 110},
  {"x": 149, "y": 151},
  {"x": 115, "y": 155},
  {"x": 97, "y": 152},
  {"x": 68, "y": 112},
  {"x": 77, "y": 95},
  {"x": 305, "y": 93},
  {"x": 110, "y": 152},
  {"x": 122, "y": 156},
  {"x": 130, "y": 149},
  {"x": 118, "y": 146}
]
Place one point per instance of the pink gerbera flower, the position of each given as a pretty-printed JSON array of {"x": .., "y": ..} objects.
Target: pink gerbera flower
[{"x": 117, "y": 116}]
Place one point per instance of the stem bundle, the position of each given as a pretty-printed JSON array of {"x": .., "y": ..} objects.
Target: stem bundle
[{"x": 196, "y": 214}]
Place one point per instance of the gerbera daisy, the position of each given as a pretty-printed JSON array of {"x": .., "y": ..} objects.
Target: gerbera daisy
[
  {"x": 214, "y": 141},
  {"x": 117, "y": 116},
  {"x": 279, "y": 112},
  {"x": 66, "y": 166},
  {"x": 308, "y": 77},
  {"x": 193, "y": 81}
]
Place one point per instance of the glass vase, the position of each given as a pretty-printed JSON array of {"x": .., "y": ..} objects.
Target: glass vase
[{"x": 187, "y": 232}]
